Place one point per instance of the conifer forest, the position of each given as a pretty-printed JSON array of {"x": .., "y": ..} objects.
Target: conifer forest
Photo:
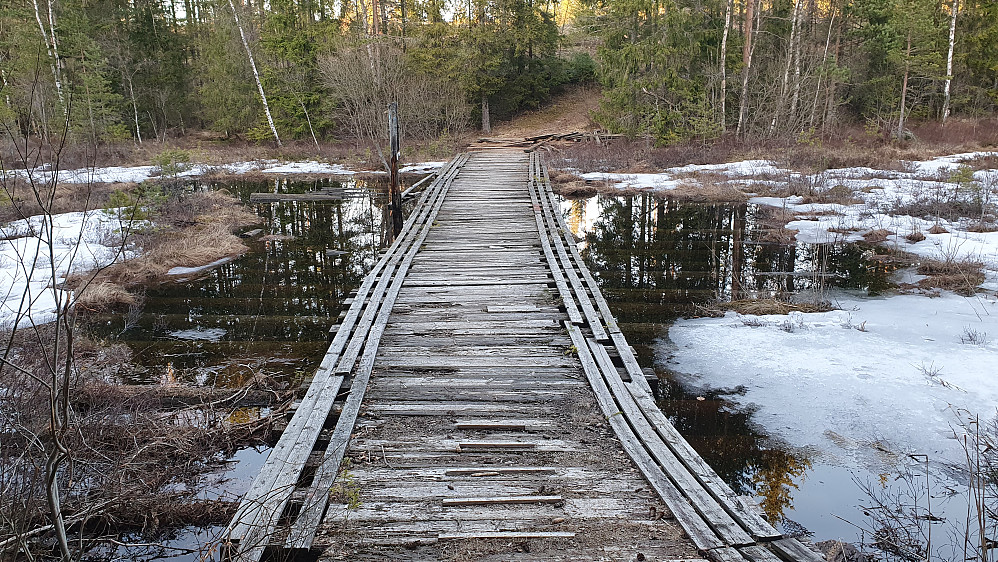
[{"x": 671, "y": 70}]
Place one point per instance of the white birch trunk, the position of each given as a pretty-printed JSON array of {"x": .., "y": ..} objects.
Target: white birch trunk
[
  {"x": 797, "y": 56},
  {"x": 52, "y": 51},
  {"x": 256, "y": 75},
  {"x": 724, "y": 66},
  {"x": 904, "y": 90},
  {"x": 135, "y": 111},
  {"x": 949, "y": 60}
]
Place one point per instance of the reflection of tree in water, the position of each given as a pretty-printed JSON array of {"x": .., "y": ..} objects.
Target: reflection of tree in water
[
  {"x": 729, "y": 442},
  {"x": 654, "y": 260},
  {"x": 776, "y": 479},
  {"x": 273, "y": 305}
]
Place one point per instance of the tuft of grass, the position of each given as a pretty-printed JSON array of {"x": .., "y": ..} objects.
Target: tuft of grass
[
  {"x": 960, "y": 277},
  {"x": 878, "y": 235},
  {"x": 707, "y": 190},
  {"x": 761, "y": 307},
  {"x": 937, "y": 229},
  {"x": 103, "y": 296}
]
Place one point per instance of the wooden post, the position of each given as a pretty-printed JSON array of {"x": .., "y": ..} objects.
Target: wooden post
[{"x": 396, "y": 152}]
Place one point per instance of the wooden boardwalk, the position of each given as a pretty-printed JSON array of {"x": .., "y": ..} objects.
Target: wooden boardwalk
[{"x": 478, "y": 402}]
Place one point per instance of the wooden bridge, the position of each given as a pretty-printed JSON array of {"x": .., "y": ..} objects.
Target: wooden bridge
[{"x": 478, "y": 402}]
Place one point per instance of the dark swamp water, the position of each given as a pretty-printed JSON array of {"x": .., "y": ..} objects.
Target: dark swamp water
[{"x": 268, "y": 311}]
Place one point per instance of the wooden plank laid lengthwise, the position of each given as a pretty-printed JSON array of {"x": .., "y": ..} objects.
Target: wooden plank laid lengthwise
[{"x": 255, "y": 522}]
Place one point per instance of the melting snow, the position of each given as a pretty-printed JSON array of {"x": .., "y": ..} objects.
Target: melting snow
[
  {"x": 892, "y": 369},
  {"x": 135, "y": 174},
  {"x": 79, "y": 242}
]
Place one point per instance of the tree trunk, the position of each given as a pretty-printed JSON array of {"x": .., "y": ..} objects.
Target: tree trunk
[
  {"x": 135, "y": 111},
  {"x": 830, "y": 89},
  {"x": 797, "y": 56},
  {"x": 310, "y": 129},
  {"x": 824, "y": 69},
  {"x": 724, "y": 66},
  {"x": 949, "y": 59},
  {"x": 747, "y": 65},
  {"x": 784, "y": 86},
  {"x": 486, "y": 126},
  {"x": 53, "y": 54},
  {"x": 904, "y": 89},
  {"x": 256, "y": 75}
]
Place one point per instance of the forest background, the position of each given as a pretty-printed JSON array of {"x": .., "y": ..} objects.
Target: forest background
[{"x": 316, "y": 70}]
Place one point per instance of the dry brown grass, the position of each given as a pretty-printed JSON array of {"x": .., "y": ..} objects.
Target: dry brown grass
[
  {"x": 198, "y": 230},
  {"x": 760, "y": 307},
  {"x": 937, "y": 229},
  {"x": 103, "y": 296},
  {"x": 961, "y": 277},
  {"x": 772, "y": 225},
  {"x": 706, "y": 192},
  {"x": 878, "y": 235},
  {"x": 569, "y": 184},
  {"x": 68, "y": 198},
  {"x": 915, "y": 236}
]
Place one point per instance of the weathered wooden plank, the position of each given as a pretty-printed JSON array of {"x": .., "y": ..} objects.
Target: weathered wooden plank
[
  {"x": 506, "y": 500},
  {"x": 515, "y": 535},
  {"x": 757, "y": 553},
  {"x": 483, "y": 471},
  {"x": 792, "y": 549},
  {"x": 483, "y": 425},
  {"x": 697, "y": 529},
  {"x": 705, "y": 504},
  {"x": 497, "y": 445},
  {"x": 725, "y": 554},
  {"x": 581, "y": 297}
]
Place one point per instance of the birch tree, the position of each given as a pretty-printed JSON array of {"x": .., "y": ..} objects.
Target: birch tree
[
  {"x": 724, "y": 62},
  {"x": 256, "y": 75},
  {"x": 954, "y": 9}
]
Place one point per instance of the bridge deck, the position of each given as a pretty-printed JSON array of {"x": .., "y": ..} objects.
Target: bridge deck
[
  {"x": 478, "y": 418},
  {"x": 479, "y": 402}
]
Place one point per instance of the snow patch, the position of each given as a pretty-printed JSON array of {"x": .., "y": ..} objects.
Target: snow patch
[
  {"x": 893, "y": 370},
  {"x": 30, "y": 272}
]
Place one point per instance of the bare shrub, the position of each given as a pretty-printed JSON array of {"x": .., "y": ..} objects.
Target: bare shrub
[
  {"x": 366, "y": 78},
  {"x": 972, "y": 336}
]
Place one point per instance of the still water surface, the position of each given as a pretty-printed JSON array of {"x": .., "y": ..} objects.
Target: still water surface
[{"x": 268, "y": 312}]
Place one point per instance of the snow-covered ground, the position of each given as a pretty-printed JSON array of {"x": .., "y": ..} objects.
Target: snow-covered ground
[
  {"x": 35, "y": 251},
  {"x": 135, "y": 174}
]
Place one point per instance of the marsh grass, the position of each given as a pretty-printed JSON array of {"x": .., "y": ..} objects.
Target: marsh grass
[
  {"x": 761, "y": 307},
  {"x": 959, "y": 276}
]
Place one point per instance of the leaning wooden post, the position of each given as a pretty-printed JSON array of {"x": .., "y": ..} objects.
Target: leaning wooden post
[{"x": 396, "y": 152}]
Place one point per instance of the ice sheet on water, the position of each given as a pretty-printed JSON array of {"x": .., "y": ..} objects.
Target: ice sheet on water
[{"x": 893, "y": 369}]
